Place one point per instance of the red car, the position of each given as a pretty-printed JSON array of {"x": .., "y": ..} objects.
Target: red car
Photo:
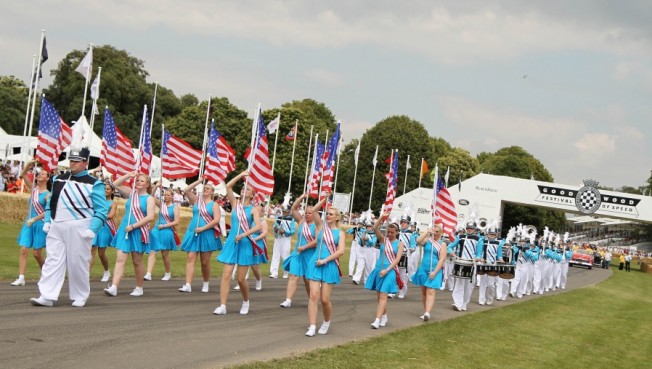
[{"x": 582, "y": 257}]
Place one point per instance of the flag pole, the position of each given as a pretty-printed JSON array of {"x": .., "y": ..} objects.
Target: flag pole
[
  {"x": 305, "y": 180},
  {"x": 31, "y": 96},
  {"x": 294, "y": 146},
  {"x": 337, "y": 170},
  {"x": 36, "y": 80},
  {"x": 151, "y": 121},
  {"x": 420, "y": 172},
  {"x": 160, "y": 193},
  {"x": 434, "y": 196},
  {"x": 254, "y": 128},
  {"x": 355, "y": 174},
  {"x": 88, "y": 72},
  {"x": 407, "y": 166},
  {"x": 321, "y": 170},
  {"x": 276, "y": 141},
  {"x": 373, "y": 176},
  {"x": 314, "y": 161},
  {"x": 133, "y": 184},
  {"x": 205, "y": 142},
  {"x": 93, "y": 110}
]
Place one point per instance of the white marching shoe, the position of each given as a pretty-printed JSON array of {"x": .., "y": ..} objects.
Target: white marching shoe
[
  {"x": 111, "y": 291},
  {"x": 166, "y": 277},
  {"x": 311, "y": 331},
  {"x": 286, "y": 304},
  {"x": 244, "y": 310},
  {"x": 186, "y": 288},
  {"x": 148, "y": 277},
  {"x": 383, "y": 321},
  {"x": 105, "y": 276},
  {"x": 138, "y": 291},
  {"x": 18, "y": 282},
  {"x": 40, "y": 301},
  {"x": 204, "y": 287},
  {"x": 220, "y": 310},
  {"x": 324, "y": 327},
  {"x": 259, "y": 284},
  {"x": 376, "y": 324}
]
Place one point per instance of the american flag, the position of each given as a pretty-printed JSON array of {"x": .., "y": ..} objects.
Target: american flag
[
  {"x": 53, "y": 136},
  {"x": 329, "y": 167},
  {"x": 220, "y": 160},
  {"x": 145, "y": 149},
  {"x": 117, "y": 156},
  {"x": 317, "y": 162},
  {"x": 391, "y": 183},
  {"x": 443, "y": 209},
  {"x": 261, "y": 177},
  {"x": 179, "y": 159}
]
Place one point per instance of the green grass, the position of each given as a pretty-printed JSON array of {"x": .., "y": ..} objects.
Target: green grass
[{"x": 602, "y": 326}]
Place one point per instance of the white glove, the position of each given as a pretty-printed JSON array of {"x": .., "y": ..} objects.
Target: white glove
[
  {"x": 87, "y": 234},
  {"x": 46, "y": 227}
]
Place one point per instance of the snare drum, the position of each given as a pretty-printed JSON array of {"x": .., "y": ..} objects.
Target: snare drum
[
  {"x": 506, "y": 271},
  {"x": 403, "y": 263},
  {"x": 463, "y": 268},
  {"x": 490, "y": 269}
]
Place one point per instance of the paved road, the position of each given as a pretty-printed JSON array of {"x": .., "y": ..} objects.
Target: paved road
[{"x": 168, "y": 329}]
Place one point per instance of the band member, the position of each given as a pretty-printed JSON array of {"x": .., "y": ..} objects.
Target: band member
[
  {"x": 556, "y": 266},
  {"x": 369, "y": 252},
  {"x": 105, "y": 235},
  {"x": 31, "y": 234},
  {"x": 74, "y": 213},
  {"x": 240, "y": 247},
  {"x": 284, "y": 229},
  {"x": 356, "y": 257},
  {"x": 414, "y": 256},
  {"x": 409, "y": 240},
  {"x": 133, "y": 236},
  {"x": 546, "y": 266},
  {"x": 533, "y": 258},
  {"x": 517, "y": 288},
  {"x": 566, "y": 255},
  {"x": 164, "y": 234},
  {"x": 492, "y": 253},
  {"x": 384, "y": 279},
  {"x": 430, "y": 274},
  {"x": 297, "y": 263},
  {"x": 323, "y": 268},
  {"x": 467, "y": 247}
]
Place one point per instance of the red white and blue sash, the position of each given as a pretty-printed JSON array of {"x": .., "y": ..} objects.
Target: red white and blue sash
[
  {"x": 244, "y": 226},
  {"x": 305, "y": 232},
  {"x": 38, "y": 208},
  {"x": 205, "y": 215},
  {"x": 329, "y": 239},
  {"x": 435, "y": 246},
  {"x": 168, "y": 219},
  {"x": 391, "y": 256},
  {"x": 112, "y": 228},
  {"x": 139, "y": 215}
]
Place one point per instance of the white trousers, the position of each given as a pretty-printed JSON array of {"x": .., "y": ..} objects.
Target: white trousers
[
  {"x": 414, "y": 259},
  {"x": 502, "y": 288},
  {"x": 487, "y": 290},
  {"x": 280, "y": 250},
  {"x": 520, "y": 280},
  {"x": 66, "y": 250},
  {"x": 364, "y": 263},
  {"x": 353, "y": 257},
  {"x": 563, "y": 274},
  {"x": 556, "y": 274},
  {"x": 462, "y": 291},
  {"x": 537, "y": 279},
  {"x": 449, "y": 282}
]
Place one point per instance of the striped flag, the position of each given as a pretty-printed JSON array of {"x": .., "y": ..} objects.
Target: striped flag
[
  {"x": 261, "y": 177},
  {"x": 145, "y": 149},
  {"x": 329, "y": 168},
  {"x": 117, "y": 156},
  {"x": 391, "y": 182},
  {"x": 179, "y": 160},
  {"x": 220, "y": 159},
  {"x": 444, "y": 209},
  {"x": 318, "y": 161},
  {"x": 53, "y": 136}
]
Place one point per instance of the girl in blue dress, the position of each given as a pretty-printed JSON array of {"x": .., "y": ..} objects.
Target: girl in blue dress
[
  {"x": 31, "y": 235},
  {"x": 384, "y": 279},
  {"x": 323, "y": 269},
  {"x": 164, "y": 235},
  {"x": 297, "y": 263},
  {"x": 202, "y": 237},
  {"x": 105, "y": 235},
  {"x": 430, "y": 274},
  {"x": 240, "y": 246},
  {"x": 133, "y": 235}
]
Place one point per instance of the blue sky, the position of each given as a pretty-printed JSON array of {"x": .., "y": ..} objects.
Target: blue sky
[{"x": 457, "y": 67}]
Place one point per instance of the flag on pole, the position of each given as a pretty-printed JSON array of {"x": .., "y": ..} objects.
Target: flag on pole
[
  {"x": 261, "y": 177},
  {"x": 407, "y": 163},
  {"x": 220, "y": 159},
  {"x": 391, "y": 182},
  {"x": 375, "y": 159},
  {"x": 273, "y": 125},
  {"x": 448, "y": 172},
  {"x": 293, "y": 133},
  {"x": 179, "y": 159},
  {"x": 44, "y": 57},
  {"x": 445, "y": 209},
  {"x": 117, "y": 155},
  {"x": 329, "y": 168},
  {"x": 356, "y": 154},
  {"x": 86, "y": 64},
  {"x": 318, "y": 162},
  {"x": 424, "y": 168},
  {"x": 53, "y": 136},
  {"x": 95, "y": 88},
  {"x": 145, "y": 149}
]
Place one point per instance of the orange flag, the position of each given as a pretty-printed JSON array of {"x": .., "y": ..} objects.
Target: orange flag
[{"x": 424, "y": 168}]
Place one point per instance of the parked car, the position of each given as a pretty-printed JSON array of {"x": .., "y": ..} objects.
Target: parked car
[{"x": 582, "y": 257}]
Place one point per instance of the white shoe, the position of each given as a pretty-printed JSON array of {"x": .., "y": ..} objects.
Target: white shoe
[
  {"x": 324, "y": 327},
  {"x": 286, "y": 304},
  {"x": 401, "y": 296},
  {"x": 376, "y": 324},
  {"x": 311, "y": 331},
  {"x": 273, "y": 276},
  {"x": 244, "y": 310},
  {"x": 105, "y": 276},
  {"x": 425, "y": 317},
  {"x": 186, "y": 288},
  {"x": 490, "y": 303},
  {"x": 166, "y": 277},
  {"x": 18, "y": 282},
  {"x": 40, "y": 301},
  {"x": 204, "y": 287},
  {"x": 285, "y": 275},
  {"x": 111, "y": 291},
  {"x": 259, "y": 284},
  {"x": 463, "y": 308},
  {"x": 221, "y": 310},
  {"x": 237, "y": 287},
  {"x": 391, "y": 295},
  {"x": 138, "y": 291},
  {"x": 456, "y": 308},
  {"x": 148, "y": 277},
  {"x": 527, "y": 293},
  {"x": 481, "y": 303},
  {"x": 383, "y": 321},
  {"x": 79, "y": 303}
]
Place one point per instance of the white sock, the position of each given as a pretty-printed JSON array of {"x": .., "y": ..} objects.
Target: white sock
[{"x": 21, "y": 277}]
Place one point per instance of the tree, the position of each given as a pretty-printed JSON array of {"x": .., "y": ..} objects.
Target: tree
[{"x": 13, "y": 99}]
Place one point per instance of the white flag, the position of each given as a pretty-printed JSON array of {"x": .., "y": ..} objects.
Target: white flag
[
  {"x": 273, "y": 125},
  {"x": 407, "y": 165},
  {"x": 356, "y": 154},
  {"x": 375, "y": 159},
  {"x": 86, "y": 64},
  {"x": 95, "y": 88},
  {"x": 448, "y": 172}
]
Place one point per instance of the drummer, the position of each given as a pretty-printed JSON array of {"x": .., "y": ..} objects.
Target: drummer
[
  {"x": 467, "y": 247},
  {"x": 491, "y": 254}
]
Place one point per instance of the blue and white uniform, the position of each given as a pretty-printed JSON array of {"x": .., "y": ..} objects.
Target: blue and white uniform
[
  {"x": 467, "y": 247},
  {"x": 491, "y": 253},
  {"x": 284, "y": 229}
]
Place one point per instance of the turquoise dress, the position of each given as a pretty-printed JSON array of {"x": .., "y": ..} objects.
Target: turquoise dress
[
  {"x": 297, "y": 262},
  {"x": 241, "y": 252},
  {"x": 387, "y": 283},
  {"x": 134, "y": 243},
  {"x": 420, "y": 278},
  {"x": 206, "y": 241},
  {"x": 329, "y": 272},
  {"x": 163, "y": 239},
  {"x": 33, "y": 236},
  {"x": 104, "y": 237}
]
